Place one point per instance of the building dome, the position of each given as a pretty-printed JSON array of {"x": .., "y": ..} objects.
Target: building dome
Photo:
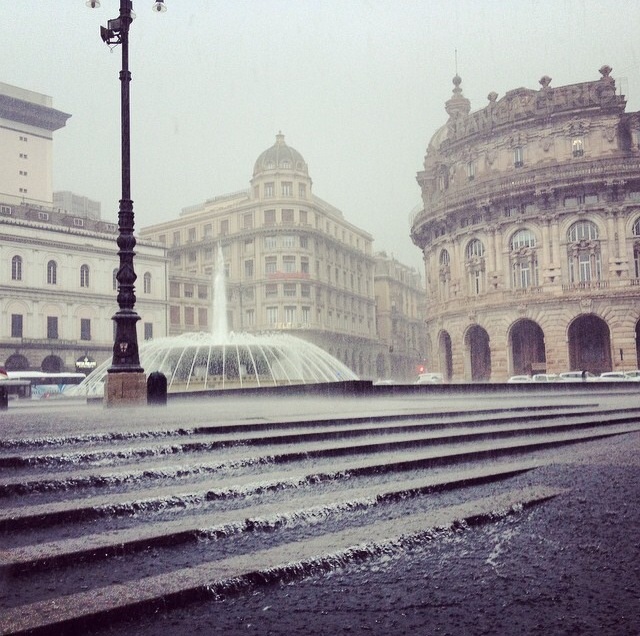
[{"x": 280, "y": 157}]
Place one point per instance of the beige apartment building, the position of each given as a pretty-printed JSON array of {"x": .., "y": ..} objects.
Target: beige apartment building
[
  {"x": 293, "y": 263},
  {"x": 400, "y": 307},
  {"x": 530, "y": 232}
]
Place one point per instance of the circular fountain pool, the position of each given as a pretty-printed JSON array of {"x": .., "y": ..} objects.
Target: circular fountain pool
[{"x": 203, "y": 361}]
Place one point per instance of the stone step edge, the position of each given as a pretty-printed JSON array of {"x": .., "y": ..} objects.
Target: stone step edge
[
  {"x": 263, "y": 424},
  {"x": 100, "y": 546},
  {"x": 70, "y": 512},
  {"x": 172, "y": 447},
  {"x": 72, "y": 613}
]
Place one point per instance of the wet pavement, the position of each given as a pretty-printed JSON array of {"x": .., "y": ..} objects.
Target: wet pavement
[{"x": 567, "y": 565}]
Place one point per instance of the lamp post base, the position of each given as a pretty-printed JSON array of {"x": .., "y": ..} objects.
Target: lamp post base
[{"x": 125, "y": 389}]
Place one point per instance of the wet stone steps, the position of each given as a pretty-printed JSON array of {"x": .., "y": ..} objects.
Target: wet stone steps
[
  {"x": 95, "y": 525},
  {"x": 71, "y": 612}
]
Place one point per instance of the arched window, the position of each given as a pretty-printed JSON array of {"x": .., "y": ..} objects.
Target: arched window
[
  {"x": 475, "y": 265},
  {"x": 115, "y": 279},
  {"x": 582, "y": 231},
  {"x": 52, "y": 273},
  {"x": 16, "y": 268},
  {"x": 475, "y": 248},
  {"x": 147, "y": 283},
  {"x": 84, "y": 276},
  {"x": 444, "y": 274},
  {"x": 524, "y": 259},
  {"x": 577, "y": 147},
  {"x": 584, "y": 254}
]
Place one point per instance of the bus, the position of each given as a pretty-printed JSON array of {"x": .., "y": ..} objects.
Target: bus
[{"x": 39, "y": 385}]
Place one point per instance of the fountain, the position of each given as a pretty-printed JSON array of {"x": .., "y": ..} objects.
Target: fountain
[{"x": 223, "y": 359}]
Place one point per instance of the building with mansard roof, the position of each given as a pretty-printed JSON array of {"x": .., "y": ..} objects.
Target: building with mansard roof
[{"x": 530, "y": 231}]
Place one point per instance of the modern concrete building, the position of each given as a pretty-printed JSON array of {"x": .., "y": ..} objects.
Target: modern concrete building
[
  {"x": 293, "y": 263},
  {"x": 400, "y": 308},
  {"x": 57, "y": 260},
  {"x": 530, "y": 233}
]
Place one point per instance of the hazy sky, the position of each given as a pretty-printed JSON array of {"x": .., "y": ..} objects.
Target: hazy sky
[{"x": 356, "y": 86}]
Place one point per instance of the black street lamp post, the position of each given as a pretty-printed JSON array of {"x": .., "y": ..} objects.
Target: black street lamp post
[{"x": 126, "y": 382}]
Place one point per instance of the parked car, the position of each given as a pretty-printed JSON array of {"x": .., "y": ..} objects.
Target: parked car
[
  {"x": 613, "y": 376},
  {"x": 519, "y": 379},
  {"x": 430, "y": 378},
  {"x": 546, "y": 377},
  {"x": 633, "y": 375},
  {"x": 577, "y": 376}
]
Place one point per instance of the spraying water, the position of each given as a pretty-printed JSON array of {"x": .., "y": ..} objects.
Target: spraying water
[
  {"x": 223, "y": 360},
  {"x": 219, "y": 326}
]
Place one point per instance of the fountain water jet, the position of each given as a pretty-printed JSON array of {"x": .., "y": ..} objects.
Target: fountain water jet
[{"x": 222, "y": 359}]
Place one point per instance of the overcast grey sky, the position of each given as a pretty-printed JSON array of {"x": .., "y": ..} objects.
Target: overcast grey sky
[{"x": 356, "y": 86}]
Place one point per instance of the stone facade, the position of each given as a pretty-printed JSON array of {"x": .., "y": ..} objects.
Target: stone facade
[
  {"x": 58, "y": 258},
  {"x": 400, "y": 319},
  {"x": 530, "y": 233}
]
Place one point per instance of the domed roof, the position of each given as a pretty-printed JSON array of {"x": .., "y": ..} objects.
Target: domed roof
[{"x": 280, "y": 157}]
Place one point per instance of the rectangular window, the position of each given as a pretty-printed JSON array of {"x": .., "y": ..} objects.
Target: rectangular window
[
  {"x": 289, "y": 264},
  {"x": 189, "y": 316},
  {"x": 188, "y": 290},
  {"x": 248, "y": 269},
  {"x": 287, "y": 189},
  {"x": 192, "y": 256},
  {"x": 148, "y": 331},
  {"x": 176, "y": 239},
  {"x": 272, "y": 315},
  {"x": 268, "y": 190},
  {"x": 290, "y": 314},
  {"x": 270, "y": 265},
  {"x": 174, "y": 290},
  {"x": 43, "y": 216},
  {"x": 304, "y": 265},
  {"x": 304, "y": 242},
  {"x": 290, "y": 290},
  {"x": 249, "y": 318},
  {"x": 191, "y": 235},
  {"x": 202, "y": 316},
  {"x": 203, "y": 292},
  {"x": 248, "y": 246},
  {"x": 302, "y": 193},
  {"x": 305, "y": 291},
  {"x": 306, "y": 315},
  {"x": 287, "y": 217},
  {"x": 52, "y": 327},
  {"x": 518, "y": 157},
  {"x": 271, "y": 290},
  {"x": 208, "y": 230},
  {"x": 224, "y": 227},
  {"x": 174, "y": 315},
  {"x": 288, "y": 241},
  {"x": 269, "y": 217},
  {"x": 16, "y": 325},
  {"x": 247, "y": 221},
  {"x": 85, "y": 329}
]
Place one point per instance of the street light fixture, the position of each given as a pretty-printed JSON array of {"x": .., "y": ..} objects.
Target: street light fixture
[{"x": 126, "y": 382}]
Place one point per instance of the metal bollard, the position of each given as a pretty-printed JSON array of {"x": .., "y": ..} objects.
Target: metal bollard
[
  {"x": 4, "y": 399},
  {"x": 157, "y": 389}
]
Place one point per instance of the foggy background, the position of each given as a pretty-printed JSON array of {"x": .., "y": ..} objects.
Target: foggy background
[{"x": 356, "y": 86}]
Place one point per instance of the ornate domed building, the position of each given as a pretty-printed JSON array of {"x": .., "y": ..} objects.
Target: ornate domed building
[
  {"x": 530, "y": 231},
  {"x": 293, "y": 263}
]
